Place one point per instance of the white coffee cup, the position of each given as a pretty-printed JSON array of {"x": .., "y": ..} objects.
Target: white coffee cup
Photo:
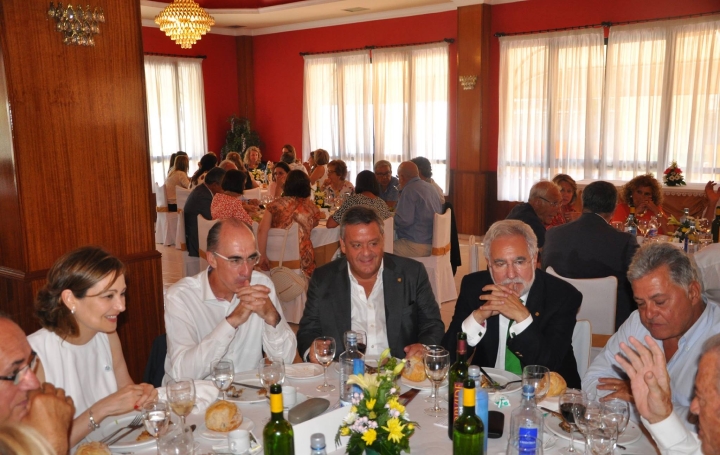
[
  {"x": 289, "y": 394},
  {"x": 239, "y": 441}
]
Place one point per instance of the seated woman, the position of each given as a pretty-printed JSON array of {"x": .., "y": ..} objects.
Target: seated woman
[
  {"x": 178, "y": 177},
  {"x": 336, "y": 185},
  {"x": 645, "y": 194},
  {"x": 290, "y": 157},
  {"x": 367, "y": 192},
  {"x": 280, "y": 173},
  {"x": 568, "y": 191},
  {"x": 319, "y": 173},
  {"x": 294, "y": 206},
  {"x": 253, "y": 158},
  {"x": 229, "y": 204},
  {"x": 207, "y": 162},
  {"x": 250, "y": 183},
  {"x": 78, "y": 346}
]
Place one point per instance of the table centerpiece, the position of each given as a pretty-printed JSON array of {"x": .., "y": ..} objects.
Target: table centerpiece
[{"x": 673, "y": 175}]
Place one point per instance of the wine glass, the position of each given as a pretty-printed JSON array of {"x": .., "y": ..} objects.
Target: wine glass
[
  {"x": 179, "y": 441},
  {"x": 643, "y": 227},
  {"x": 437, "y": 362},
  {"x": 617, "y": 411},
  {"x": 568, "y": 400},
  {"x": 181, "y": 397},
  {"x": 601, "y": 438},
  {"x": 361, "y": 341},
  {"x": 537, "y": 376},
  {"x": 271, "y": 370},
  {"x": 325, "y": 353},
  {"x": 524, "y": 445},
  {"x": 223, "y": 373},
  {"x": 587, "y": 415},
  {"x": 156, "y": 416}
]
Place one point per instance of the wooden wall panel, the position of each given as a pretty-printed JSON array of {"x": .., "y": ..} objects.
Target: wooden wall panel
[{"x": 245, "y": 74}]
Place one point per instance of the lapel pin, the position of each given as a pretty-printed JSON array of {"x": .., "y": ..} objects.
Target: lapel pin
[
  {"x": 537, "y": 313},
  {"x": 399, "y": 280}
]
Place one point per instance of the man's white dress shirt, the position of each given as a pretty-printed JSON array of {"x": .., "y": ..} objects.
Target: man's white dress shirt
[
  {"x": 368, "y": 313},
  {"x": 198, "y": 333},
  {"x": 672, "y": 437}
]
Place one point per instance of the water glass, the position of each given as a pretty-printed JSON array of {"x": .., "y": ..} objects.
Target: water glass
[
  {"x": 179, "y": 441},
  {"x": 181, "y": 397},
  {"x": 437, "y": 363},
  {"x": 223, "y": 373},
  {"x": 271, "y": 370},
  {"x": 156, "y": 417},
  {"x": 325, "y": 353},
  {"x": 601, "y": 439},
  {"x": 537, "y": 376}
]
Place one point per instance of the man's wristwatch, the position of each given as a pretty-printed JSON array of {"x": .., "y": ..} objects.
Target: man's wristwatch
[{"x": 92, "y": 425}]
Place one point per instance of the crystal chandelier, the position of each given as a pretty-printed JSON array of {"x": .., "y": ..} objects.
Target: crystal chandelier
[{"x": 184, "y": 21}]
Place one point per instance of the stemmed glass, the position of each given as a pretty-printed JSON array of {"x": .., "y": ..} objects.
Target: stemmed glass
[
  {"x": 179, "y": 441},
  {"x": 539, "y": 377},
  {"x": 271, "y": 370},
  {"x": 223, "y": 373},
  {"x": 643, "y": 227},
  {"x": 437, "y": 362},
  {"x": 181, "y": 397},
  {"x": 587, "y": 416},
  {"x": 156, "y": 417},
  {"x": 618, "y": 412},
  {"x": 568, "y": 400},
  {"x": 325, "y": 353},
  {"x": 601, "y": 438}
]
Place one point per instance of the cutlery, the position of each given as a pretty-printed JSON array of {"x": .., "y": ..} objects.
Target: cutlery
[
  {"x": 134, "y": 425},
  {"x": 564, "y": 425},
  {"x": 408, "y": 396},
  {"x": 505, "y": 386},
  {"x": 494, "y": 383},
  {"x": 249, "y": 386}
]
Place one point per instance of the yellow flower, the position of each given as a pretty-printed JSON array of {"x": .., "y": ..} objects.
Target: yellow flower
[
  {"x": 370, "y": 403},
  {"x": 353, "y": 409},
  {"x": 372, "y": 415},
  {"x": 395, "y": 404},
  {"x": 410, "y": 426},
  {"x": 369, "y": 437},
  {"x": 368, "y": 382},
  {"x": 398, "y": 369},
  {"x": 384, "y": 354},
  {"x": 394, "y": 429},
  {"x": 345, "y": 431}
]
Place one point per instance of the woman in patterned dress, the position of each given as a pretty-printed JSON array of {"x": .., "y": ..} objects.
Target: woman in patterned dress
[
  {"x": 335, "y": 184},
  {"x": 367, "y": 192},
  {"x": 228, "y": 204}
]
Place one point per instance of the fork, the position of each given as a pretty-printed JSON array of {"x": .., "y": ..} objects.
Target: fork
[{"x": 134, "y": 425}]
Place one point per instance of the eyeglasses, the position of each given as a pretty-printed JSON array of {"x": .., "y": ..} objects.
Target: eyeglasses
[
  {"x": 20, "y": 373},
  {"x": 383, "y": 174},
  {"x": 517, "y": 264},
  {"x": 554, "y": 204},
  {"x": 237, "y": 261}
]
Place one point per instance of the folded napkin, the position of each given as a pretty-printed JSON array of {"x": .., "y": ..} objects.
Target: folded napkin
[{"x": 205, "y": 394}]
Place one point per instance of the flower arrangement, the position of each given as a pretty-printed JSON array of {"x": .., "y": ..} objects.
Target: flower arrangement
[
  {"x": 673, "y": 175},
  {"x": 377, "y": 422},
  {"x": 258, "y": 175},
  {"x": 683, "y": 228},
  {"x": 320, "y": 197}
]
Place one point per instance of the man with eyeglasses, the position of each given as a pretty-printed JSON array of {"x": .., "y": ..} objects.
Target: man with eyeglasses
[
  {"x": 22, "y": 398},
  {"x": 514, "y": 314},
  {"x": 227, "y": 311},
  {"x": 388, "y": 184},
  {"x": 541, "y": 207}
]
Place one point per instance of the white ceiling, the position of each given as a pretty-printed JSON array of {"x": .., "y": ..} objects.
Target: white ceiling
[{"x": 312, "y": 14}]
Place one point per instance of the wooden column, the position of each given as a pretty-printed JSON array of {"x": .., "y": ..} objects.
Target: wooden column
[
  {"x": 246, "y": 80},
  {"x": 472, "y": 180},
  {"x": 74, "y": 162}
]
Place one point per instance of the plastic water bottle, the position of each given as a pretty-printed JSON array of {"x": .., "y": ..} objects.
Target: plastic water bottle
[
  {"x": 350, "y": 362},
  {"x": 481, "y": 401},
  {"x": 527, "y": 421},
  {"x": 317, "y": 444},
  {"x": 652, "y": 227}
]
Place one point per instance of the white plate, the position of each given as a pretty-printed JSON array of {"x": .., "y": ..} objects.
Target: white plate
[
  {"x": 249, "y": 395},
  {"x": 502, "y": 377},
  {"x": 631, "y": 434},
  {"x": 425, "y": 385},
  {"x": 246, "y": 424},
  {"x": 109, "y": 425},
  {"x": 303, "y": 371}
]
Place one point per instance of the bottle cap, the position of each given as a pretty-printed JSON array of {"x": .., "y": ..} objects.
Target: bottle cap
[
  {"x": 317, "y": 441},
  {"x": 351, "y": 336},
  {"x": 528, "y": 391},
  {"x": 474, "y": 371}
]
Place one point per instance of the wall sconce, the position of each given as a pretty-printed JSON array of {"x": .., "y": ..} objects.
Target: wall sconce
[
  {"x": 77, "y": 25},
  {"x": 468, "y": 82}
]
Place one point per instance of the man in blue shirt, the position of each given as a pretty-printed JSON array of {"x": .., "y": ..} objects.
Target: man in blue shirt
[
  {"x": 415, "y": 214},
  {"x": 388, "y": 184}
]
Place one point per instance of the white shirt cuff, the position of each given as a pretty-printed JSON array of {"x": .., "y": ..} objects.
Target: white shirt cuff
[
  {"x": 474, "y": 330},
  {"x": 517, "y": 329},
  {"x": 670, "y": 432}
]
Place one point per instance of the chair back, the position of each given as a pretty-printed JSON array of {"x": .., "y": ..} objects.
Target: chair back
[
  {"x": 598, "y": 305},
  {"x": 155, "y": 368},
  {"x": 581, "y": 344},
  {"x": 252, "y": 193},
  {"x": 160, "y": 197},
  {"x": 204, "y": 227},
  {"x": 181, "y": 196},
  {"x": 276, "y": 237},
  {"x": 441, "y": 234},
  {"x": 389, "y": 227},
  {"x": 474, "y": 255}
]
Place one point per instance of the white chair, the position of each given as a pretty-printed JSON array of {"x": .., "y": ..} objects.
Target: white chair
[
  {"x": 477, "y": 255},
  {"x": 204, "y": 227},
  {"x": 162, "y": 210},
  {"x": 598, "y": 305},
  {"x": 171, "y": 225},
  {"x": 438, "y": 264},
  {"x": 181, "y": 196},
  {"x": 252, "y": 193},
  {"x": 581, "y": 344},
  {"x": 389, "y": 234},
  {"x": 292, "y": 310}
]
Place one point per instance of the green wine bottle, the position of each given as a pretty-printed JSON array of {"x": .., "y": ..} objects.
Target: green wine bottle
[
  {"x": 457, "y": 375},
  {"x": 278, "y": 435},
  {"x": 468, "y": 430}
]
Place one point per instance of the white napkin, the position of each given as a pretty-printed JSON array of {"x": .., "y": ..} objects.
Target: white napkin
[{"x": 205, "y": 394}]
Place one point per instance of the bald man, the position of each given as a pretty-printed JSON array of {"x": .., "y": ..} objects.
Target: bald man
[
  {"x": 415, "y": 214},
  {"x": 541, "y": 207}
]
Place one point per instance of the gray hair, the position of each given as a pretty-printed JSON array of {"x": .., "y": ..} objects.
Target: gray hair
[
  {"x": 712, "y": 346},
  {"x": 361, "y": 214},
  {"x": 541, "y": 189},
  {"x": 383, "y": 163},
  {"x": 506, "y": 228},
  {"x": 652, "y": 256}
]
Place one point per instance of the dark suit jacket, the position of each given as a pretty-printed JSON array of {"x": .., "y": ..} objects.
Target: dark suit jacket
[
  {"x": 553, "y": 304},
  {"x": 590, "y": 248},
  {"x": 198, "y": 203},
  {"x": 412, "y": 314},
  {"x": 526, "y": 213}
]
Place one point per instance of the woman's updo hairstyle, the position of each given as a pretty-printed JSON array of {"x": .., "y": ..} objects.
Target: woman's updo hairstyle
[{"x": 78, "y": 271}]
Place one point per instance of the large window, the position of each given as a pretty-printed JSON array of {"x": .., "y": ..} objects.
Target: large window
[
  {"x": 387, "y": 104},
  {"x": 176, "y": 111},
  {"x": 655, "y": 100}
]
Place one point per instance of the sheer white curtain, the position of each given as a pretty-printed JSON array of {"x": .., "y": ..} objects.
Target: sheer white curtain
[
  {"x": 550, "y": 106},
  {"x": 410, "y": 98},
  {"x": 337, "y": 108},
  {"x": 176, "y": 111}
]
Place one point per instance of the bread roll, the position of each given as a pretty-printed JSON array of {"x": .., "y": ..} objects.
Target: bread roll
[
  {"x": 223, "y": 416},
  {"x": 557, "y": 385},
  {"x": 93, "y": 448},
  {"x": 414, "y": 369}
]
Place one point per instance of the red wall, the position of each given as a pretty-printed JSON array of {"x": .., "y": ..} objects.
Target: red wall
[
  {"x": 548, "y": 14},
  {"x": 219, "y": 77},
  {"x": 279, "y": 69}
]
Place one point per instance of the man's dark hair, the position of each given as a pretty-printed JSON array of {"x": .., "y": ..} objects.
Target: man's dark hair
[
  {"x": 599, "y": 197},
  {"x": 424, "y": 166},
  {"x": 297, "y": 184},
  {"x": 215, "y": 175},
  {"x": 234, "y": 181},
  {"x": 367, "y": 181},
  {"x": 360, "y": 214}
]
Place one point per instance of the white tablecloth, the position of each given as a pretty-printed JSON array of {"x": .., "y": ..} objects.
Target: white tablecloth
[
  {"x": 323, "y": 235},
  {"x": 691, "y": 189}
]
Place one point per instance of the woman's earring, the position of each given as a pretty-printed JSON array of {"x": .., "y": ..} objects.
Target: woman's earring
[{"x": 72, "y": 311}]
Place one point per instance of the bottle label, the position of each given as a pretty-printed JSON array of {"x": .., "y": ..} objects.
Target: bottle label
[
  {"x": 456, "y": 409},
  {"x": 462, "y": 347},
  {"x": 276, "y": 403},
  {"x": 527, "y": 440}
]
